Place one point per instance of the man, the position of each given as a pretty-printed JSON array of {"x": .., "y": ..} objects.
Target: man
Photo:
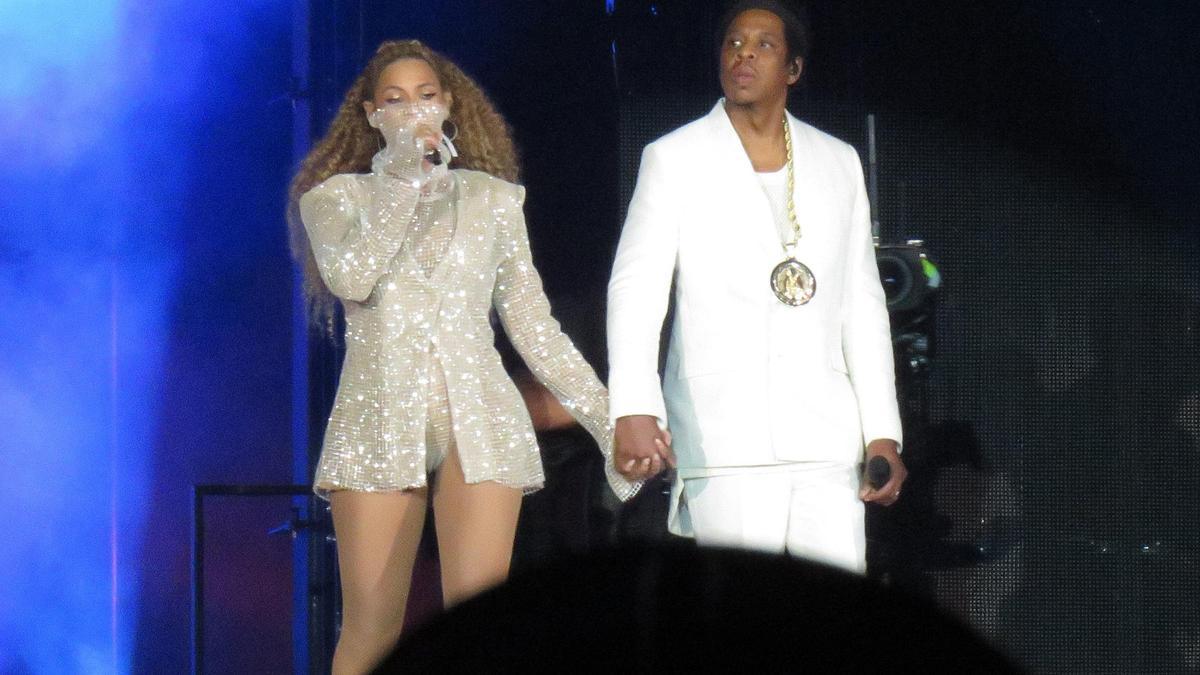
[{"x": 779, "y": 369}]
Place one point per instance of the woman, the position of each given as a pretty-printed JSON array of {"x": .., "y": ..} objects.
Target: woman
[{"x": 407, "y": 219}]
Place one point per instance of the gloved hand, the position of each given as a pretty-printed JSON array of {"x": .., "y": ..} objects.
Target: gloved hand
[{"x": 412, "y": 133}]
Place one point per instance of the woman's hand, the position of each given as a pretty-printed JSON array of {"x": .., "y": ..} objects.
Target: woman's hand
[
  {"x": 402, "y": 158},
  {"x": 411, "y": 132}
]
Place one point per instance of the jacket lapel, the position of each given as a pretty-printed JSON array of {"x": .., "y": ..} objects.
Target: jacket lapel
[
  {"x": 813, "y": 195},
  {"x": 745, "y": 191}
]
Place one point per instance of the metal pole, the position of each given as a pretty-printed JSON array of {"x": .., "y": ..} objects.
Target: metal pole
[
  {"x": 302, "y": 656},
  {"x": 197, "y": 580},
  {"x": 873, "y": 179}
]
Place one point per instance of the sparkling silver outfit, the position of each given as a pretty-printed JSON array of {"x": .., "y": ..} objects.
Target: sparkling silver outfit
[{"x": 417, "y": 277}]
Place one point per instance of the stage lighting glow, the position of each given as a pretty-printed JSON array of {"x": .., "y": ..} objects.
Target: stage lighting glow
[{"x": 101, "y": 103}]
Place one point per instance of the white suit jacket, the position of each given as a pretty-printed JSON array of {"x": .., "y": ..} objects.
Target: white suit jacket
[{"x": 749, "y": 380}]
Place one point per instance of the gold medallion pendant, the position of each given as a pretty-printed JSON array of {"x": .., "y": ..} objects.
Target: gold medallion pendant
[
  {"x": 791, "y": 280},
  {"x": 793, "y": 283}
]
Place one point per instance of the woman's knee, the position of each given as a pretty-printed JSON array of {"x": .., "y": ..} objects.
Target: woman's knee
[{"x": 373, "y": 616}]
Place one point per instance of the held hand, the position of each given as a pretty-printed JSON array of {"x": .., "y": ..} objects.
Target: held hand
[
  {"x": 641, "y": 449},
  {"x": 887, "y": 494}
]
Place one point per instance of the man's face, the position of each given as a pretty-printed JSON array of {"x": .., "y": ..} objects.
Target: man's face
[{"x": 754, "y": 63}]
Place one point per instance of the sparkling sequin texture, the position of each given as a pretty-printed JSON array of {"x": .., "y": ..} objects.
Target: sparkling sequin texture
[{"x": 417, "y": 279}]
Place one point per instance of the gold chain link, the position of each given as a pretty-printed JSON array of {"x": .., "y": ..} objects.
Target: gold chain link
[{"x": 791, "y": 187}]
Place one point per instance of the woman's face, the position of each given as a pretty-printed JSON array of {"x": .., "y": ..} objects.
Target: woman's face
[{"x": 407, "y": 80}]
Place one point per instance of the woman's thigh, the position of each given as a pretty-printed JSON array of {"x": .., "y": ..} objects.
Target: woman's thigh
[
  {"x": 476, "y": 524},
  {"x": 377, "y": 537}
]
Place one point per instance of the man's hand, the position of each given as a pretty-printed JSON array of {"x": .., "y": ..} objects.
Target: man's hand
[
  {"x": 890, "y": 491},
  {"x": 641, "y": 449}
]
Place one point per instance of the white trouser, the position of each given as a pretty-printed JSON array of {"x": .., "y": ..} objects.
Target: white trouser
[{"x": 809, "y": 512}]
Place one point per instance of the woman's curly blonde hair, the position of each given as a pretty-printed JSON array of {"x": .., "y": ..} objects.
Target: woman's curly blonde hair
[{"x": 484, "y": 143}]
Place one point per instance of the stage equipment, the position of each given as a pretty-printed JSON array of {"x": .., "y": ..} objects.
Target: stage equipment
[
  {"x": 311, "y": 528},
  {"x": 910, "y": 282}
]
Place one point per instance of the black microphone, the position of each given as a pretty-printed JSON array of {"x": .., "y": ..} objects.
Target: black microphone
[{"x": 879, "y": 472}]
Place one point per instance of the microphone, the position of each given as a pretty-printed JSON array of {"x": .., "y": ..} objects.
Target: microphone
[
  {"x": 428, "y": 145},
  {"x": 879, "y": 472}
]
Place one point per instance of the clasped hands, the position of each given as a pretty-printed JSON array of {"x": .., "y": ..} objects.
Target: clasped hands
[{"x": 641, "y": 449}]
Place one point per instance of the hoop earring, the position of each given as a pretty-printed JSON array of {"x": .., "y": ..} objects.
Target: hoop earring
[{"x": 448, "y": 135}]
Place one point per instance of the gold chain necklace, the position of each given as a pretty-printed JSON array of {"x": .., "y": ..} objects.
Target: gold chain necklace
[{"x": 791, "y": 280}]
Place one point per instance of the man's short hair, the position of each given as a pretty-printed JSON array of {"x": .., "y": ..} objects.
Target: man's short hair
[{"x": 795, "y": 24}]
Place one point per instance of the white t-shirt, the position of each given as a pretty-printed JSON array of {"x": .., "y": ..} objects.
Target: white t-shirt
[{"x": 774, "y": 185}]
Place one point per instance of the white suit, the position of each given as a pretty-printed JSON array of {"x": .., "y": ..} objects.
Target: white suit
[{"x": 749, "y": 380}]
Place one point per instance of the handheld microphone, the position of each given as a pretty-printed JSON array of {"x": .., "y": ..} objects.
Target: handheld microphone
[
  {"x": 427, "y": 143},
  {"x": 879, "y": 472}
]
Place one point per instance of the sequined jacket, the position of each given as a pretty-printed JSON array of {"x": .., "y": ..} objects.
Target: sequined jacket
[{"x": 397, "y": 317}]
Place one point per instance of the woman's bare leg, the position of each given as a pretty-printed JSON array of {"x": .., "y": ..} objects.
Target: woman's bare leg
[
  {"x": 476, "y": 525},
  {"x": 377, "y": 537}
]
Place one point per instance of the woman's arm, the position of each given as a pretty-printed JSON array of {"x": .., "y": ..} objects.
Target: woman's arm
[
  {"x": 356, "y": 226},
  {"x": 538, "y": 338}
]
